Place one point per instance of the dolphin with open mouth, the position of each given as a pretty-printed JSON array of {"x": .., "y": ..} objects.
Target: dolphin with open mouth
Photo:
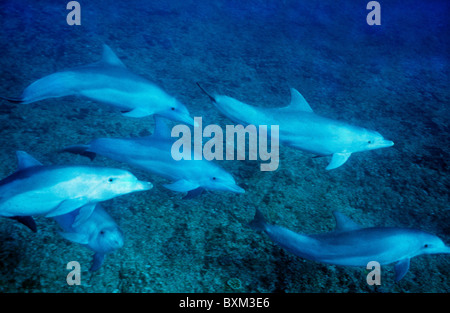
[{"x": 108, "y": 81}]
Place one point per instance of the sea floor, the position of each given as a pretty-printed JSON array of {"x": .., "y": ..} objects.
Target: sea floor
[{"x": 393, "y": 79}]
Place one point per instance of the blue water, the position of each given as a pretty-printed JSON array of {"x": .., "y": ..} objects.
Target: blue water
[{"x": 393, "y": 78}]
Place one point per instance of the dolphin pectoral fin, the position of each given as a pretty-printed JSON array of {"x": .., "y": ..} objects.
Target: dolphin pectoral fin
[
  {"x": 337, "y": 160},
  {"x": 67, "y": 206},
  {"x": 76, "y": 237},
  {"x": 28, "y": 221},
  {"x": 84, "y": 214},
  {"x": 193, "y": 193},
  {"x": 135, "y": 113},
  {"x": 97, "y": 261},
  {"x": 401, "y": 268},
  {"x": 181, "y": 185}
]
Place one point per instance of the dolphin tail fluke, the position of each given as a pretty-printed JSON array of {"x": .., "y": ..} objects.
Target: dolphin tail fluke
[
  {"x": 259, "y": 221},
  {"x": 207, "y": 93},
  {"x": 14, "y": 100},
  {"x": 81, "y": 150}
]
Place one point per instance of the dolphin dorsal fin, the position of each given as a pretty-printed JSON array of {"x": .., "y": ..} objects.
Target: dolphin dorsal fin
[
  {"x": 298, "y": 102},
  {"x": 24, "y": 160},
  {"x": 344, "y": 223},
  {"x": 161, "y": 129},
  {"x": 110, "y": 58}
]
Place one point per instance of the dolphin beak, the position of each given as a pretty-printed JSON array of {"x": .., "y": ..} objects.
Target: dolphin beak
[
  {"x": 384, "y": 144},
  {"x": 188, "y": 120},
  {"x": 236, "y": 189},
  {"x": 446, "y": 249},
  {"x": 143, "y": 185}
]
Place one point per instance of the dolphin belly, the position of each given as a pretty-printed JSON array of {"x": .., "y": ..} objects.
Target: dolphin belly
[{"x": 28, "y": 204}]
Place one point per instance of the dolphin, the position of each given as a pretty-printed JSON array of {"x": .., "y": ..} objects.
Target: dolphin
[
  {"x": 99, "y": 232},
  {"x": 153, "y": 154},
  {"x": 108, "y": 81},
  {"x": 351, "y": 245},
  {"x": 35, "y": 189},
  {"x": 301, "y": 128}
]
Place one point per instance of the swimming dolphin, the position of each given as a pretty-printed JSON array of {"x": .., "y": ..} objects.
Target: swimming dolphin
[
  {"x": 153, "y": 154},
  {"x": 54, "y": 190},
  {"x": 108, "y": 81},
  {"x": 99, "y": 232},
  {"x": 301, "y": 128},
  {"x": 351, "y": 245}
]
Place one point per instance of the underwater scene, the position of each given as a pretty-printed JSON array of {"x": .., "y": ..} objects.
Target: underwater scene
[{"x": 224, "y": 146}]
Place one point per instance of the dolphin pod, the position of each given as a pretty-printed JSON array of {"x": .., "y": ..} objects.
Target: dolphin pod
[{"x": 71, "y": 195}]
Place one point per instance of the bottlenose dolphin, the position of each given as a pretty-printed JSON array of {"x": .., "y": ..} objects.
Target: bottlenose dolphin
[
  {"x": 302, "y": 129},
  {"x": 351, "y": 245},
  {"x": 99, "y": 232},
  {"x": 54, "y": 190},
  {"x": 153, "y": 154},
  {"x": 108, "y": 81}
]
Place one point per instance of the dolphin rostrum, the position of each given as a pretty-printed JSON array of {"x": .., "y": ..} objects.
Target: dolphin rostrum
[
  {"x": 108, "y": 81},
  {"x": 54, "y": 190},
  {"x": 99, "y": 232},
  {"x": 351, "y": 245},
  {"x": 302, "y": 129},
  {"x": 153, "y": 154}
]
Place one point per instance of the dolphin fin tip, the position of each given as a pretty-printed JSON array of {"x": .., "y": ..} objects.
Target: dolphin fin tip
[
  {"x": 205, "y": 92},
  {"x": 258, "y": 222},
  {"x": 337, "y": 160},
  {"x": 97, "y": 262}
]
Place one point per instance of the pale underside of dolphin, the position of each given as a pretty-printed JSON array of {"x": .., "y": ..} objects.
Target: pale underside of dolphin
[
  {"x": 38, "y": 190},
  {"x": 301, "y": 128},
  {"x": 153, "y": 154},
  {"x": 108, "y": 81},
  {"x": 351, "y": 245}
]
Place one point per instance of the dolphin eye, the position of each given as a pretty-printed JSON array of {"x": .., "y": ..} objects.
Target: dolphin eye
[
  {"x": 172, "y": 108},
  {"x": 110, "y": 179},
  {"x": 369, "y": 142},
  {"x": 214, "y": 178},
  {"x": 425, "y": 245},
  {"x": 102, "y": 232}
]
